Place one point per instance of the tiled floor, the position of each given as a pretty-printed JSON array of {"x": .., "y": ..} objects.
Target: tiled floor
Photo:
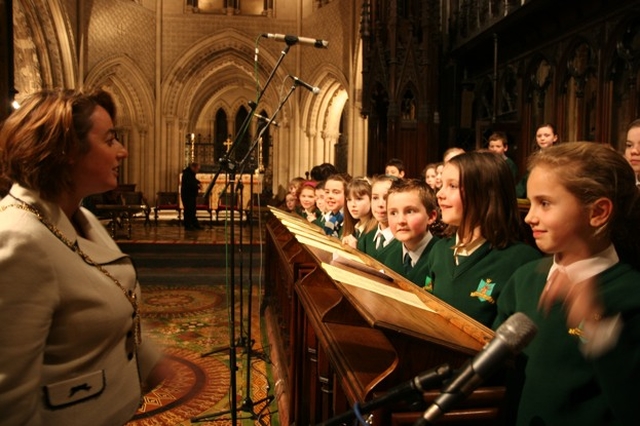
[{"x": 170, "y": 231}]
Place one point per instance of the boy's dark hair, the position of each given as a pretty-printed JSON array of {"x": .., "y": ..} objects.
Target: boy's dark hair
[
  {"x": 425, "y": 193},
  {"x": 397, "y": 163},
  {"x": 498, "y": 136},
  {"x": 322, "y": 171}
]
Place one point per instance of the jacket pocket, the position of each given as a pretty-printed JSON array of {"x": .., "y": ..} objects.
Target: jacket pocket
[{"x": 75, "y": 390}]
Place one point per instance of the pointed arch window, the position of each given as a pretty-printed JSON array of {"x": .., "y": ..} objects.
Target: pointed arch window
[{"x": 221, "y": 129}]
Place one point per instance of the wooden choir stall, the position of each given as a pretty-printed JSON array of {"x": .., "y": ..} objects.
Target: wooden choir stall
[{"x": 346, "y": 329}]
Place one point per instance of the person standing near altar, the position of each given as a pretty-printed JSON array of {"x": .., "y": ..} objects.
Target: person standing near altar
[
  {"x": 73, "y": 352},
  {"x": 189, "y": 188}
]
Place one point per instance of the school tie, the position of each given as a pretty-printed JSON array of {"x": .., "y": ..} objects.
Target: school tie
[
  {"x": 407, "y": 263},
  {"x": 379, "y": 241}
]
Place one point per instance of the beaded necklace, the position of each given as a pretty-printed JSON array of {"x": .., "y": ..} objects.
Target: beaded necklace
[{"x": 129, "y": 294}]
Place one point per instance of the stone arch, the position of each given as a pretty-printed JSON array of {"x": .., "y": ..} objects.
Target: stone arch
[
  {"x": 217, "y": 68},
  {"x": 209, "y": 66},
  {"x": 44, "y": 46},
  {"x": 134, "y": 99},
  {"x": 137, "y": 98}
]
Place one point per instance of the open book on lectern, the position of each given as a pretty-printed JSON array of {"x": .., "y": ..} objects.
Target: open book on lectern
[{"x": 384, "y": 298}]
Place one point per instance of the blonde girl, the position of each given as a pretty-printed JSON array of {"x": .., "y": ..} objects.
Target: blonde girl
[{"x": 584, "y": 298}]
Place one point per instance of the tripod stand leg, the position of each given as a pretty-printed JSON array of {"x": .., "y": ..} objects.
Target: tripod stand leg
[{"x": 215, "y": 351}]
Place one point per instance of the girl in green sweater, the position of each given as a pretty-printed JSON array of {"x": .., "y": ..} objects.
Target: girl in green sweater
[
  {"x": 478, "y": 202},
  {"x": 583, "y": 367}
]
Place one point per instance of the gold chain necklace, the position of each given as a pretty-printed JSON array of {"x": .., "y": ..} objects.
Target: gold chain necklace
[{"x": 129, "y": 294}]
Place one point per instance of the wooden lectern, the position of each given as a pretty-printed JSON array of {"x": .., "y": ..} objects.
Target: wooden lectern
[{"x": 347, "y": 329}]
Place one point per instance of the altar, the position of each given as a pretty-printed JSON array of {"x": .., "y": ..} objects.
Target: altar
[{"x": 221, "y": 184}]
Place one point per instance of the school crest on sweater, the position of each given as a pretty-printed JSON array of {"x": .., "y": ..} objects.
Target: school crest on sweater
[{"x": 484, "y": 290}]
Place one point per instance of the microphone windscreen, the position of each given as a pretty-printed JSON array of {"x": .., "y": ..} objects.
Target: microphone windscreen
[{"x": 517, "y": 331}]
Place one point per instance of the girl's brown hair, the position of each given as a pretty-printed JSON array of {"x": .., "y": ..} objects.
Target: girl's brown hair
[
  {"x": 38, "y": 140},
  {"x": 358, "y": 186},
  {"x": 488, "y": 195},
  {"x": 590, "y": 171}
]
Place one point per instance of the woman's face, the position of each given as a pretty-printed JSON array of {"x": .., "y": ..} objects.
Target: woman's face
[{"x": 97, "y": 170}]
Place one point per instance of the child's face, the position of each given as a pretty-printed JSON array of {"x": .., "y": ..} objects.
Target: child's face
[
  {"x": 292, "y": 189},
  {"x": 334, "y": 195},
  {"x": 449, "y": 198},
  {"x": 408, "y": 218},
  {"x": 320, "y": 204},
  {"x": 430, "y": 177},
  {"x": 498, "y": 146},
  {"x": 379, "y": 202},
  {"x": 632, "y": 149},
  {"x": 545, "y": 137},
  {"x": 308, "y": 198},
  {"x": 393, "y": 171},
  {"x": 291, "y": 201},
  {"x": 439, "y": 176},
  {"x": 358, "y": 205},
  {"x": 559, "y": 221}
]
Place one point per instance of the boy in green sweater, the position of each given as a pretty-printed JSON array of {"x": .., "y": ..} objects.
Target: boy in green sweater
[{"x": 411, "y": 208}]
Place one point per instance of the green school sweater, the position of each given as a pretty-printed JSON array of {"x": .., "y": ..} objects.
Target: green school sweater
[
  {"x": 561, "y": 386},
  {"x": 474, "y": 286},
  {"x": 366, "y": 244},
  {"x": 393, "y": 260},
  {"x": 513, "y": 167}
]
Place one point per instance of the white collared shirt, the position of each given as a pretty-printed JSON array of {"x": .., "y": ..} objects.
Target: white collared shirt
[
  {"x": 602, "y": 336},
  {"x": 386, "y": 233},
  {"x": 415, "y": 254},
  {"x": 468, "y": 249}
]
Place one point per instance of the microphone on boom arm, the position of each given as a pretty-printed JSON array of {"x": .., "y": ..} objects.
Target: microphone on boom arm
[
  {"x": 416, "y": 386},
  {"x": 267, "y": 120},
  {"x": 510, "y": 338},
  {"x": 313, "y": 89},
  {"x": 292, "y": 39}
]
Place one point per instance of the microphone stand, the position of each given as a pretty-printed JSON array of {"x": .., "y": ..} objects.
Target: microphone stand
[
  {"x": 415, "y": 387},
  {"x": 230, "y": 168},
  {"x": 248, "y": 403}
]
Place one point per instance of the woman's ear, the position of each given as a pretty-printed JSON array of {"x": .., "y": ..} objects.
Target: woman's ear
[{"x": 600, "y": 212}]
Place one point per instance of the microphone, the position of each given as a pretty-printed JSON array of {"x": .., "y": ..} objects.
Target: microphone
[
  {"x": 313, "y": 89},
  {"x": 422, "y": 382},
  {"x": 268, "y": 120},
  {"x": 511, "y": 337},
  {"x": 291, "y": 40}
]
